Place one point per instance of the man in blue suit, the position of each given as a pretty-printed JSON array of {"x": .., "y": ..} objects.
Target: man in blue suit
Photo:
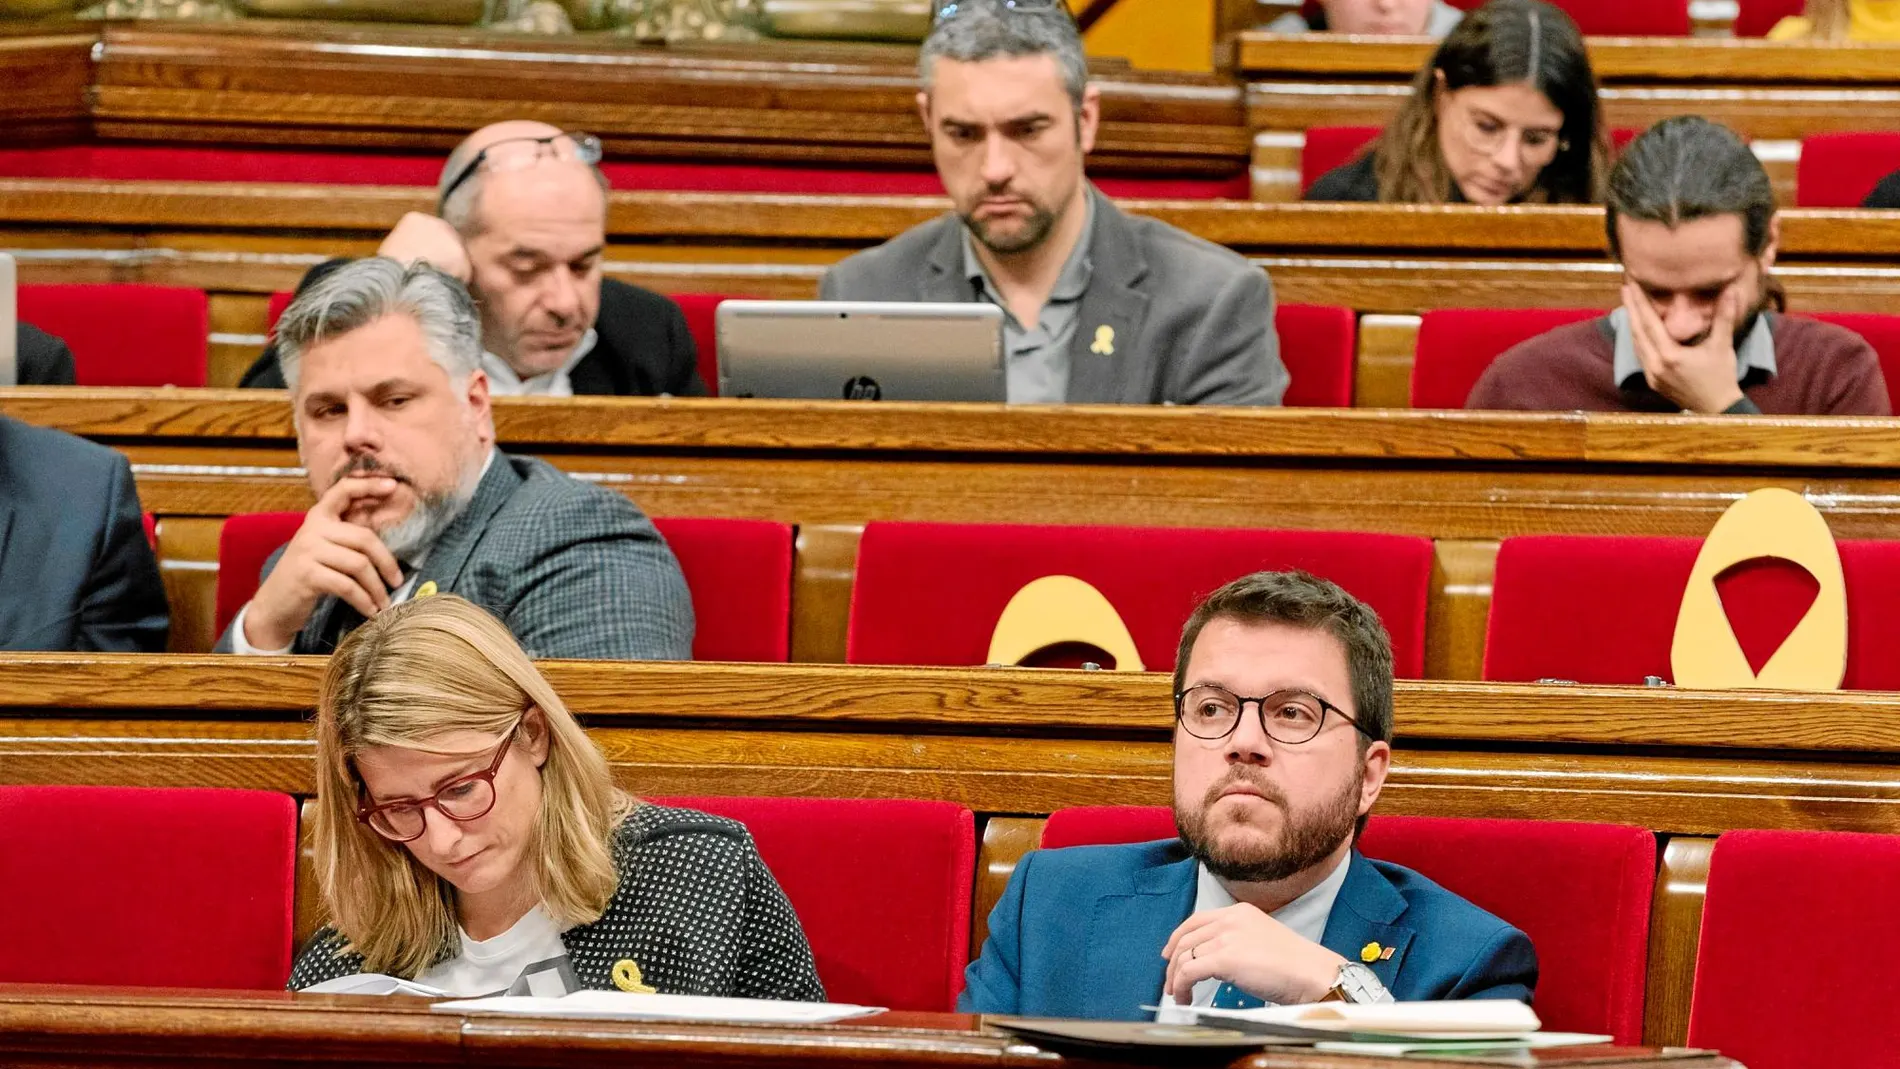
[{"x": 1283, "y": 706}]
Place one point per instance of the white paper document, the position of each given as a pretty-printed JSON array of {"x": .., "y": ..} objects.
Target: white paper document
[
  {"x": 374, "y": 983},
  {"x": 1532, "y": 1041},
  {"x": 1474, "y": 1019},
  {"x": 622, "y": 1006}
]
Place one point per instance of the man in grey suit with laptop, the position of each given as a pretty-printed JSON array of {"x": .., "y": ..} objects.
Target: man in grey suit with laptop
[
  {"x": 413, "y": 499},
  {"x": 1101, "y": 307}
]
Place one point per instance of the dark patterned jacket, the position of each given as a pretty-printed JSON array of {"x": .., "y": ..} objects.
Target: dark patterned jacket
[{"x": 696, "y": 910}]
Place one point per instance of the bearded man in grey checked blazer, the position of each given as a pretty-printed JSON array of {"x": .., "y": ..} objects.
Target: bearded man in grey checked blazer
[{"x": 393, "y": 424}]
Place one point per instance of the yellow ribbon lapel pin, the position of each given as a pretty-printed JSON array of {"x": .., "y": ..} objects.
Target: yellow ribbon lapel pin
[
  {"x": 627, "y": 978},
  {"x": 426, "y": 590},
  {"x": 1104, "y": 341},
  {"x": 1372, "y": 952}
]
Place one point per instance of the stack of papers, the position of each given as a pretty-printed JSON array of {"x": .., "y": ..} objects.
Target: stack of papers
[
  {"x": 374, "y": 983},
  {"x": 623, "y": 1006},
  {"x": 1399, "y": 1027}
]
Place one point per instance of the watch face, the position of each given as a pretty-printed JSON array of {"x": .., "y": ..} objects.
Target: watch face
[{"x": 1359, "y": 984}]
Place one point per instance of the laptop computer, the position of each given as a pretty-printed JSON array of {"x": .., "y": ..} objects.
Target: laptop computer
[
  {"x": 861, "y": 351},
  {"x": 9, "y": 322}
]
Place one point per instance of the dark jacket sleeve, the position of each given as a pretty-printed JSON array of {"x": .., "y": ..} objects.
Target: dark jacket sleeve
[
  {"x": 264, "y": 372},
  {"x": 1353, "y": 182},
  {"x": 1886, "y": 194},
  {"x": 775, "y": 959},
  {"x": 1505, "y": 967},
  {"x": 44, "y": 360},
  {"x": 124, "y": 608},
  {"x": 682, "y": 356}
]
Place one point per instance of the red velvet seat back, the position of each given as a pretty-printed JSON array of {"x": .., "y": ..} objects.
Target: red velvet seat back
[
  {"x": 125, "y": 334},
  {"x": 1319, "y": 345},
  {"x": 148, "y": 887},
  {"x": 702, "y": 320},
  {"x": 1757, "y": 17},
  {"x": 245, "y": 542},
  {"x": 1796, "y": 933},
  {"x": 1839, "y": 170},
  {"x": 881, "y": 886},
  {"x": 930, "y": 593},
  {"x": 1455, "y": 345},
  {"x": 1581, "y": 893},
  {"x": 1328, "y": 147},
  {"x": 739, "y": 573},
  {"x": 1602, "y": 609},
  {"x": 274, "y": 310}
]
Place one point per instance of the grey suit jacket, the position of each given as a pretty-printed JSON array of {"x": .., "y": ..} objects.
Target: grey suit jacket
[
  {"x": 573, "y": 570},
  {"x": 75, "y": 570},
  {"x": 1192, "y": 321}
]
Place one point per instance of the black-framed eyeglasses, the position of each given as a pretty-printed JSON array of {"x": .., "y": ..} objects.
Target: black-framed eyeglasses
[
  {"x": 462, "y": 800},
  {"x": 1289, "y": 717},
  {"x": 516, "y": 153},
  {"x": 956, "y": 7}
]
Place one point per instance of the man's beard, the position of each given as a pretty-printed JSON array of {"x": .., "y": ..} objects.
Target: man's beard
[
  {"x": 1035, "y": 230},
  {"x": 1306, "y": 838},
  {"x": 434, "y": 511}
]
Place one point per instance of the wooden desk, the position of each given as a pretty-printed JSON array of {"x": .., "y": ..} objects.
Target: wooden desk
[
  {"x": 1465, "y": 479},
  {"x": 240, "y": 242},
  {"x": 317, "y": 84},
  {"x": 109, "y": 1028},
  {"x": 1764, "y": 90}
]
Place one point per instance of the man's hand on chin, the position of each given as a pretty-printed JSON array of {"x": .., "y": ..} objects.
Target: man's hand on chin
[
  {"x": 1250, "y": 950},
  {"x": 328, "y": 557}
]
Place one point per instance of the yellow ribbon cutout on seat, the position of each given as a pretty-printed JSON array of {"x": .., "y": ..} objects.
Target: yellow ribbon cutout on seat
[
  {"x": 1767, "y": 523},
  {"x": 1057, "y": 609}
]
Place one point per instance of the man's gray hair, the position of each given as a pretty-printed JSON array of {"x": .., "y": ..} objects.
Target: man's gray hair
[
  {"x": 986, "y": 29},
  {"x": 359, "y": 293}
]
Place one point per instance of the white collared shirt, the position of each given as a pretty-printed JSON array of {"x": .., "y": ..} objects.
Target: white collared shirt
[
  {"x": 503, "y": 382},
  {"x": 1306, "y": 916}
]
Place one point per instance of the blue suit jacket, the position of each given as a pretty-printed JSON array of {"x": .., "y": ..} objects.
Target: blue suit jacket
[{"x": 1079, "y": 932}]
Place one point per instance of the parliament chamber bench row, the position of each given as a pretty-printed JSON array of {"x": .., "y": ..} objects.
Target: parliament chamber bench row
[
  {"x": 1584, "y": 608},
  {"x": 1466, "y": 481},
  {"x": 244, "y": 243},
  {"x": 1551, "y": 798},
  {"x": 135, "y": 334}
]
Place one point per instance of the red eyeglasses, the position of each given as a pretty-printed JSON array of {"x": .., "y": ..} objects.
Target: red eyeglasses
[{"x": 465, "y": 799}]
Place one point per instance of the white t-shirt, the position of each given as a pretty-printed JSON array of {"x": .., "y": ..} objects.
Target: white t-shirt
[{"x": 527, "y": 959}]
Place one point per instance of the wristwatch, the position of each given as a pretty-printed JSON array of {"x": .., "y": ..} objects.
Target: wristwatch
[{"x": 1357, "y": 984}]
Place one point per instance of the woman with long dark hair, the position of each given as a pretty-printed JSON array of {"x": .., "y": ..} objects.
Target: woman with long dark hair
[{"x": 1506, "y": 112}]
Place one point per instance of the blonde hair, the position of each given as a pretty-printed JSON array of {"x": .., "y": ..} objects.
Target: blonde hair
[
  {"x": 418, "y": 670},
  {"x": 1827, "y": 20}
]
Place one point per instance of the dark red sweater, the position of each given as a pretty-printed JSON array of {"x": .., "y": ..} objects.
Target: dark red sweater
[{"x": 1821, "y": 370}]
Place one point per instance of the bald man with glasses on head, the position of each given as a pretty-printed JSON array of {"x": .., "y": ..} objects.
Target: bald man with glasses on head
[{"x": 521, "y": 217}]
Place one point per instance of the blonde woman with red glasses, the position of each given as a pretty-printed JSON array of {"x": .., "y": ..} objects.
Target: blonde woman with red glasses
[{"x": 469, "y": 837}]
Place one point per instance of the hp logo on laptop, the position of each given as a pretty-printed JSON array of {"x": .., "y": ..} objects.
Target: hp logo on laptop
[{"x": 862, "y": 388}]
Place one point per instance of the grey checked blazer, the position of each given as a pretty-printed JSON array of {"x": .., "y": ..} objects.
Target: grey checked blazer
[
  {"x": 696, "y": 910},
  {"x": 573, "y": 570},
  {"x": 1192, "y": 321}
]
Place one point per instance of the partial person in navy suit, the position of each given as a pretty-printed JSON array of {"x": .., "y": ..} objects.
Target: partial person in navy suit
[{"x": 1283, "y": 708}]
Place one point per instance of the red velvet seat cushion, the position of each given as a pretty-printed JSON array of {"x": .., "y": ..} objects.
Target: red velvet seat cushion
[
  {"x": 739, "y": 573},
  {"x": 931, "y": 593},
  {"x": 186, "y": 163},
  {"x": 1319, "y": 345},
  {"x": 881, "y": 886},
  {"x": 149, "y": 887},
  {"x": 1328, "y": 147},
  {"x": 1581, "y": 892},
  {"x": 702, "y": 321},
  {"x": 1796, "y": 932},
  {"x": 245, "y": 542},
  {"x": 125, "y": 334},
  {"x": 1757, "y": 17},
  {"x": 1839, "y": 170},
  {"x": 1602, "y": 609},
  {"x": 1456, "y": 345}
]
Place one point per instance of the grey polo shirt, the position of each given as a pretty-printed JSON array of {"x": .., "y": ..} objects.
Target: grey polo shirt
[{"x": 1037, "y": 360}]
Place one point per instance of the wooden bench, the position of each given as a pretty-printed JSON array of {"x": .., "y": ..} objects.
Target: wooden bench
[
  {"x": 1464, "y": 479},
  {"x": 1015, "y": 745},
  {"x": 241, "y": 242}
]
